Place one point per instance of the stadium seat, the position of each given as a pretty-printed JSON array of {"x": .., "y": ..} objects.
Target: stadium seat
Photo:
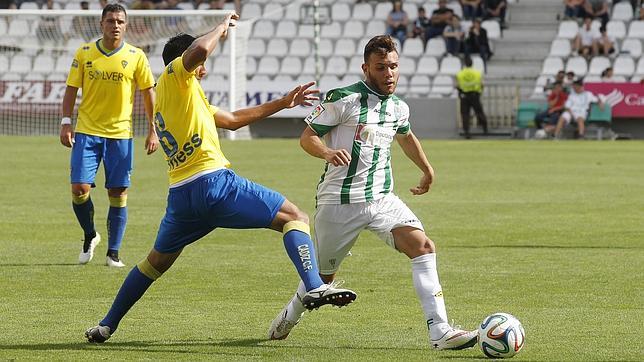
[
  {"x": 292, "y": 12},
  {"x": 328, "y": 82},
  {"x": 560, "y": 48},
  {"x": 4, "y": 64},
  {"x": 402, "y": 86},
  {"x": 64, "y": 62},
  {"x": 3, "y": 26},
  {"x": 411, "y": 10},
  {"x": 407, "y": 66},
  {"x": 577, "y": 65},
  {"x": 268, "y": 65},
  {"x": 185, "y": 6},
  {"x": 29, "y": 5},
  {"x": 156, "y": 65},
  {"x": 624, "y": 65},
  {"x": 435, "y": 47},
  {"x": 598, "y": 65},
  {"x": 493, "y": 29},
  {"x": 456, "y": 8},
  {"x": 351, "y": 79},
  {"x": 300, "y": 47},
  {"x": 632, "y": 47},
  {"x": 34, "y": 77},
  {"x": 419, "y": 86},
  {"x": 277, "y": 47},
  {"x": 221, "y": 65},
  {"x": 251, "y": 66},
  {"x": 362, "y": 11},
  {"x": 427, "y": 66},
  {"x": 11, "y": 77},
  {"x": 602, "y": 118},
  {"x": 353, "y": 29},
  {"x": 375, "y": 27},
  {"x": 251, "y": 10},
  {"x": 309, "y": 66},
  {"x": 273, "y": 11},
  {"x": 450, "y": 66},
  {"x": 336, "y": 66},
  {"x": 640, "y": 67},
  {"x": 291, "y": 66},
  {"x": 616, "y": 29},
  {"x": 19, "y": 28},
  {"x": 332, "y": 31},
  {"x": 636, "y": 29},
  {"x": 526, "y": 113},
  {"x": 637, "y": 79},
  {"x": 568, "y": 29},
  {"x": 355, "y": 65},
  {"x": 260, "y": 78},
  {"x": 214, "y": 82},
  {"x": 20, "y": 64},
  {"x": 57, "y": 77},
  {"x": 443, "y": 85},
  {"x": 43, "y": 64},
  {"x": 255, "y": 47},
  {"x": 286, "y": 29},
  {"x": 340, "y": 12},
  {"x": 413, "y": 47},
  {"x": 325, "y": 48},
  {"x": 305, "y": 31},
  {"x": 345, "y": 47},
  {"x": 552, "y": 65},
  {"x": 478, "y": 63},
  {"x": 382, "y": 10},
  {"x": 594, "y": 78},
  {"x": 622, "y": 11},
  {"x": 263, "y": 29}
]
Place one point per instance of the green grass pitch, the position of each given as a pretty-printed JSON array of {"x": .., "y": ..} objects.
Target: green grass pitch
[{"x": 550, "y": 232}]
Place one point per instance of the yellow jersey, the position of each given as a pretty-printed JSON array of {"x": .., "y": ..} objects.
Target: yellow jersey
[
  {"x": 108, "y": 80},
  {"x": 185, "y": 123},
  {"x": 469, "y": 80}
]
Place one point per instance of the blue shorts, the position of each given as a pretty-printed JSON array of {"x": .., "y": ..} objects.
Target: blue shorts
[
  {"x": 87, "y": 153},
  {"x": 217, "y": 199}
]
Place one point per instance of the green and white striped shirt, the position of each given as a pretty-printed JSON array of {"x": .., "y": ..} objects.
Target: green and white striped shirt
[{"x": 363, "y": 122}]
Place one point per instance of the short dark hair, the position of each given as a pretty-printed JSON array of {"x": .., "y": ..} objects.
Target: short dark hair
[
  {"x": 578, "y": 81},
  {"x": 113, "y": 8},
  {"x": 468, "y": 61},
  {"x": 176, "y": 46},
  {"x": 381, "y": 44},
  {"x": 560, "y": 83}
]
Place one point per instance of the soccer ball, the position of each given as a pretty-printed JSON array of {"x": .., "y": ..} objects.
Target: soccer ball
[
  {"x": 501, "y": 335},
  {"x": 540, "y": 134}
]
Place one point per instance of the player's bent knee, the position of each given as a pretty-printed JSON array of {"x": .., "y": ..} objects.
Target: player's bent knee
[
  {"x": 80, "y": 198},
  {"x": 146, "y": 268},
  {"x": 297, "y": 225}
]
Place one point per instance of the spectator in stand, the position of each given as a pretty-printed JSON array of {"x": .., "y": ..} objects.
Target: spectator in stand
[
  {"x": 49, "y": 27},
  {"x": 586, "y": 41},
  {"x": 576, "y": 108},
  {"x": 397, "y": 22},
  {"x": 8, "y": 4},
  {"x": 440, "y": 18},
  {"x": 559, "y": 77},
  {"x": 605, "y": 43},
  {"x": 454, "y": 36},
  {"x": 219, "y": 5},
  {"x": 86, "y": 26},
  {"x": 420, "y": 25},
  {"x": 607, "y": 75},
  {"x": 495, "y": 9},
  {"x": 597, "y": 9},
  {"x": 471, "y": 9},
  {"x": 477, "y": 41},
  {"x": 574, "y": 8},
  {"x": 547, "y": 120},
  {"x": 570, "y": 78}
]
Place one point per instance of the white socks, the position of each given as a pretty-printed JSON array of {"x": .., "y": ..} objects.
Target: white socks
[
  {"x": 428, "y": 288},
  {"x": 295, "y": 308}
]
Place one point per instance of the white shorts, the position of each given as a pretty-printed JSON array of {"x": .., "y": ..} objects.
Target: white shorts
[
  {"x": 337, "y": 227},
  {"x": 572, "y": 116}
]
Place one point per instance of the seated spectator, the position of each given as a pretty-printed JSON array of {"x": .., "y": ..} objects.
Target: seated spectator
[
  {"x": 87, "y": 26},
  {"x": 586, "y": 41},
  {"x": 454, "y": 36},
  {"x": 471, "y": 9},
  {"x": 420, "y": 25},
  {"x": 576, "y": 108},
  {"x": 607, "y": 75},
  {"x": 8, "y": 4},
  {"x": 219, "y": 5},
  {"x": 495, "y": 9},
  {"x": 49, "y": 26},
  {"x": 597, "y": 9},
  {"x": 477, "y": 41},
  {"x": 567, "y": 83},
  {"x": 559, "y": 77},
  {"x": 574, "y": 8},
  {"x": 440, "y": 18},
  {"x": 605, "y": 43},
  {"x": 547, "y": 120},
  {"x": 642, "y": 12},
  {"x": 397, "y": 22}
]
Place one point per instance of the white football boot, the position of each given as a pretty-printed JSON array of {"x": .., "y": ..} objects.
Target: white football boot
[
  {"x": 328, "y": 294},
  {"x": 456, "y": 338},
  {"x": 282, "y": 325},
  {"x": 86, "y": 255},
  {"x": 114, "y": 262},
  {"x": 98, "y": 334}
]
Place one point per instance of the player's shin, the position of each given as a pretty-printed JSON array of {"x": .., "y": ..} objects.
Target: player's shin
[
  {"x": 428, "y": 288},
  {"x": 84, "y": 210},
  {"x": 299, "y": 247},
  {"x": 116, "y": 222},
  {"x": 134, "y": 286}
]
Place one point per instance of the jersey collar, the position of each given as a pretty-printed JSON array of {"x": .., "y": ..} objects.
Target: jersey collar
[
  {"x": 381, "y": 96},
  {"x": 105, "y": 51}
]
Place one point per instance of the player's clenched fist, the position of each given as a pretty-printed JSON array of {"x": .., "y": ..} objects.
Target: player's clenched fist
[
  {"x": 338, "y": 157},
  {"x": 66, "y": 135}
]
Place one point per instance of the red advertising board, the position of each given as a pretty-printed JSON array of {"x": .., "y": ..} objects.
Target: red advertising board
[{"x": 626, "y": 99}]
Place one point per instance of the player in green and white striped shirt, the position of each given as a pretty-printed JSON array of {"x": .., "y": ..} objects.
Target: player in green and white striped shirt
[{"x": 358, "y": 124}]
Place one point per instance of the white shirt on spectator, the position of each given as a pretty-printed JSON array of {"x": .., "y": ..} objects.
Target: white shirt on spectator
[
  {"x": 578, "y": 103},
  {"x": 587, "y": 36}
]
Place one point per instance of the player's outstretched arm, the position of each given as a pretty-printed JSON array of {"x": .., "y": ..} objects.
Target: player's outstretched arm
[
  {"x": 204, "y": 45},
  {"x": 313, "y": 145},
  {"x": 66, "y": 131},
  {"x": 151, "y": 140},
  {"x": 414, "y": 151},
  {"x": 300, "y": 95}
]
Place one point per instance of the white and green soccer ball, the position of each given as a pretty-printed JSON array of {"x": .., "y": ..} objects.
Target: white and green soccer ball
[{"x": 501, "y": 335}]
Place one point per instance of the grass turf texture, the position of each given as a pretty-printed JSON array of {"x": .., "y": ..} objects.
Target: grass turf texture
[{"x": 550, "y": 232}]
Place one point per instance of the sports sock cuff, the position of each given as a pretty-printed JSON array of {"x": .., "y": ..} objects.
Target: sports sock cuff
[
  {"x": 80, "y": 199},
  {"x": 148, "y": 270},
  {"x": 119, "y": 201},
  {"x": 297, "y": 225},
  {"x": 431, "y": 257}
]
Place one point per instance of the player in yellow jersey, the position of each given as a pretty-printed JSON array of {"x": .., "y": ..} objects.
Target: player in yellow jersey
[
  {"x": 108, "y": 70},
  {"x": 204, "y": 193}
]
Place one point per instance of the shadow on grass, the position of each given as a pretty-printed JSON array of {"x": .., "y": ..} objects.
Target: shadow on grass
[
  {"x": 38, "y": 264},
  {"x": 543, "y": 247}
]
